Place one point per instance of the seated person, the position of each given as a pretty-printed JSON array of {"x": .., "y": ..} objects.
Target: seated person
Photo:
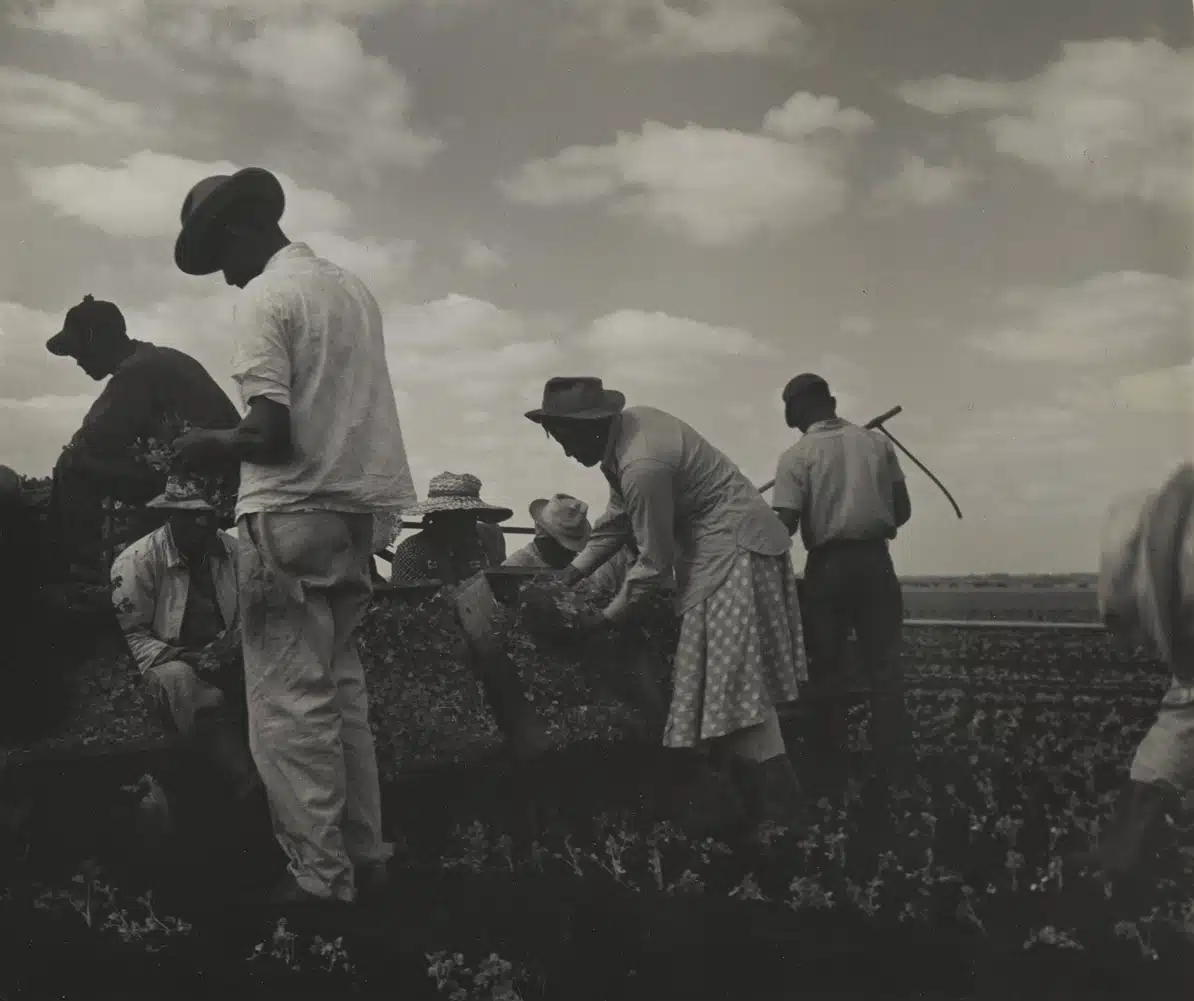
[
  {"x": 460, "y": 536},
  {"x": 175, "y": 593},
  {"x": 561, "y": 532},
  {"x": 460, "y": 539}
]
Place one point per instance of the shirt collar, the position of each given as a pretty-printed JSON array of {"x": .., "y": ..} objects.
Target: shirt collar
[
  {"x": 292, "y": 251},
  {"x": 832, "y": 424},
  {"x": 174, "y": 558},
  {"x": 609, "y": 464}
]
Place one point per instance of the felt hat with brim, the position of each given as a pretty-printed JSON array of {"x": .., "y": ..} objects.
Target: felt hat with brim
[
  {"x": 577, "y": 398},
  {"x": 90, "y": 320},
  {"x": 181, "y": 495},
  {"x": 458, "y": 492},
  {"x": 203, "y": 213},
  {"x": 563, "y": 518}
]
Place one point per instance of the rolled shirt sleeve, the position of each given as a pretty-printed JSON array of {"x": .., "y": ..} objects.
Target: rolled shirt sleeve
[
  {"x": 791, "y": 482},
  {"x": 894, "y": 470},
  {"x": 261, "y": 364},
  {"x": 649, "y": 501},
  {"x": 133, "y": 597}
]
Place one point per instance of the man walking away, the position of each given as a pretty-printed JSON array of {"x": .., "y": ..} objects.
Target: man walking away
[
  {"x": 322, "y": 456},
  {"x": 842, "y": 487},
  {"x": 149, "y": 389}
]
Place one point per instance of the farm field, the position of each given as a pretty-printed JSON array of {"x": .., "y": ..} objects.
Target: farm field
[
  {"x": 1018, "y": 599},
  {"x": 583, "y": 877}
]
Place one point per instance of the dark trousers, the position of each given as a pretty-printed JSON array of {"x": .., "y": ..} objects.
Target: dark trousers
[{"x": 852, "y": 586}]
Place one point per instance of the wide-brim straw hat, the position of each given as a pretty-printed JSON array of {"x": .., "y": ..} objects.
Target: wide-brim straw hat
[
  {"x": 203, "y": 209},
  {"x": 563, "y": 518},
  {"x": 577, "y": 398},
  {"x": 458, "y": 492},
  {"x": 181, "y": 495}
]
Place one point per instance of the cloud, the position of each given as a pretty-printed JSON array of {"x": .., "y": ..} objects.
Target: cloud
[
  {"x": 923, "y": 184},
  {"x": 307, "y": 52},
  {"x": 34, "y": 102},
  {"x": 718, "y": 187},
  {"x": 1106, "y": 319},
  {"x": 635, "y": 333},
  {"x": 481, "y": 258},
  {"x": 141, "y": 198},
  {"x": 1110, "y": 118},
  {"x": 357, "y": 101},
  {"x": 804, "y": 114},
  {"x": 675, "y": 28},
  {"x": 1160, "y": 391},
  {"x": 950, "y": 95}
]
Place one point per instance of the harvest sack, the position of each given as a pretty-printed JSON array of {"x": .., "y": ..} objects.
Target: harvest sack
[{"x": 1146, "y": 591}]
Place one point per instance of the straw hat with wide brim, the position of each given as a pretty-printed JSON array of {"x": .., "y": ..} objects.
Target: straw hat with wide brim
[
  {"x": 181, "y": 495},
  {"x": 203, "y": 208},
  {"x": 564, "y": 519},
  {"x": 577, "y": 398},
  {"x": 458, "y": 492}
]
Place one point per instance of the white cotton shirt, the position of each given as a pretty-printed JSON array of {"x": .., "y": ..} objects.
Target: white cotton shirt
[
  {"x": 308, "y": 334},
  {"x": 840, "y": 478}
]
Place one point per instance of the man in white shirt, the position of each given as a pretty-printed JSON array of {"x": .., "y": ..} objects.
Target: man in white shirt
[
  {"x": 322, "y": 457},
  {"x": 842, "y": 488}
]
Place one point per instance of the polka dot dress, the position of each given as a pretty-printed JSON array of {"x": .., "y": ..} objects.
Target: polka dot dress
[{"x": 741, "y": 652}]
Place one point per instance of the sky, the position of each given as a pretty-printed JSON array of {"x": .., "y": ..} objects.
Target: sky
[{"x": 979, "y": 211}]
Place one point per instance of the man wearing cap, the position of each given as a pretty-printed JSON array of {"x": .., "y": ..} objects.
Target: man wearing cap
[
  {"x": 175, "y": 596},
  {"x": 692, "y": 512},
  {"x": 321, "y": 457},
  {"x": 561, "y": 531},
  {"x": 1146, "y": 594},
  {"x": 459, "y": 538},
  {"x": 842, "y": 488},
  {"x": 148, "y": 388}
]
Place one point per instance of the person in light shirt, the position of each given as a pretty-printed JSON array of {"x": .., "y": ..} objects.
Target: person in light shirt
[
  {"x": 322, "y": 458},
  {"x": 696, "y": 518},
  {"x": 562, "y": 530},
  {"x": 841, "y": 487}
]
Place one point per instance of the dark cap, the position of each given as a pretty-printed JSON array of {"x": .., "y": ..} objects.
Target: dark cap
[
  {"x": 806, "y": 385},
  {"x": 92, "y": 318}
]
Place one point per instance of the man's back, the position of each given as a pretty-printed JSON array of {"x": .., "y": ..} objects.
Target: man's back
[
  {"x": 153, "y": 385},
  {"x": 841, "y": 479},
  {"x": 309, "y": 336}
]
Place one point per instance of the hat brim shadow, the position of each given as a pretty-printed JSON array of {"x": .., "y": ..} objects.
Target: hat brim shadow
[
  {"x": 193, "y": 251},
  {"x": 184, "y": 505},
  {"x": 484, "y": 512}
]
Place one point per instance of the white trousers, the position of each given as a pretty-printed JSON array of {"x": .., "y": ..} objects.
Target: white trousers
[{"x": 304, "y": 588}]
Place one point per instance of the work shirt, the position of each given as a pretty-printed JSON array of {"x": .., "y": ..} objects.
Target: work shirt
[
  {"x": 154, "y": 594},
  {"x": 527, "y": 556},
  {"x": 152, "y": 388},
  {"x": 1146, "y": 568},
  {"x": 840, "y": 478},
  {"x": 308, "y": 335},
  {"x": 686, "y": 506},
  {"x": 429, "y": 556}
]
